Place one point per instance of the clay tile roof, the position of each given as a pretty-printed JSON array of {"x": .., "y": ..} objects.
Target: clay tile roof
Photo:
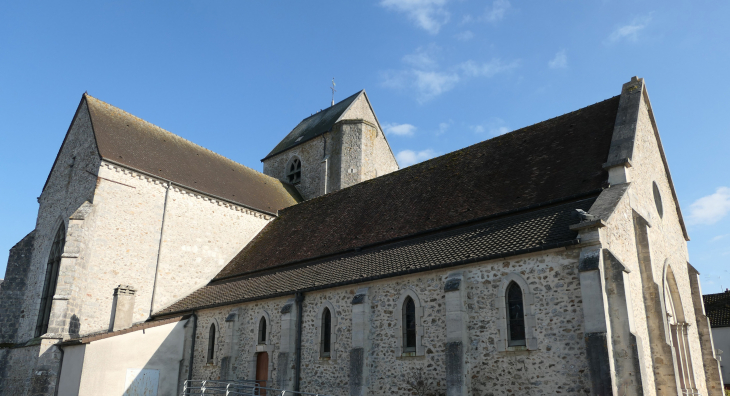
[
  {"x": 527, "y": 231},
  {"x": 314, "y": 125},
  {"x": 717, "y": 308},
  {"x": 547, "y": 161},
  {"x": 131, "y": 141}
]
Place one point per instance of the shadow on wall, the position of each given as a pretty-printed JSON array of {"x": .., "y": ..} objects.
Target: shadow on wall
[
  {"x": 159, "y": 375},
  {"x": 146, "y": 362},
  {"x": 74, "y": 326}
]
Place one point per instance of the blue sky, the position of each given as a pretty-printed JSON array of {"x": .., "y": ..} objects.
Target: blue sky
[{"x": 235, "y": 77}]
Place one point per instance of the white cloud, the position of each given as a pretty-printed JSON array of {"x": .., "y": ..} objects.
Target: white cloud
[
  {"x": 560, "y": 61},
  {"x": 424, "y": 57},
  {"x": 399, "y": 129},
  {"x": 428, "y": 79},
  {"x": 466, "y": 35},
  {"x": 717, "y": 238},
  {"x": 443, "y": 127},
  {"x": 410, "y": 157},
  {"x": 431, "y": 84},
  {"x": 430, "y": 15},
  {"x": 494, "y": 127},
  {"x": 630, "y": 31},
  {"x": 487, "y": 69},
  {"x": 711, "y": 208},
  {"x": 496, "y": 11}
]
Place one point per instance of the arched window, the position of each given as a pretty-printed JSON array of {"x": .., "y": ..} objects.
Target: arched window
[
  {"x": 294, "y": 171},
  {"x": 49, "y": 285},
  {"x": 515, "y": 315},
  {"x": 326, "y": 332},
  {"x": 211, "y": 343},
  {"x": 262, "y": 331},
  {"x": 409, "y": 325}
]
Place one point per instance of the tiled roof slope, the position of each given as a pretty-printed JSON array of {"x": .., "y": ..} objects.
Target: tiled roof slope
[
  {"x": 717, "y": 308},
  {"x": 501, "y": 236},
  {"x": 129, "y": 140},
  {"x": 551, "y": 160},
  {"x": 314, "y": 125}
]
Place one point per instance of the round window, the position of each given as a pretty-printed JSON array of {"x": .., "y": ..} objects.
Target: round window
[{"x": 658, "y": 200}]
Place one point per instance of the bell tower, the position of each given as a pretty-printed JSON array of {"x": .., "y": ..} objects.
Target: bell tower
[{"x": 332, "y": 149}]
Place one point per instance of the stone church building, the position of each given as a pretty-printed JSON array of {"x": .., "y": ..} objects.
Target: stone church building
[{"x": 549, "y": 260}]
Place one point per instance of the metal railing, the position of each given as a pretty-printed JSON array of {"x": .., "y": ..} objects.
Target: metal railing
[{"x": 236, "y": 388}]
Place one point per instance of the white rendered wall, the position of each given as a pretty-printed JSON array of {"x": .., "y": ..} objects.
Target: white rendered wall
[
  {"x": 721, "y": 339},
  {"x": 107, "y": 361}
]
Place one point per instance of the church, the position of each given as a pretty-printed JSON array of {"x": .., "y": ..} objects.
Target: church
[{"x": 549, "y": 260}]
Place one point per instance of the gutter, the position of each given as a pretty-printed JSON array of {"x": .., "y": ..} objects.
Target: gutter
[
  {"x": 159, "y": 247},
  {"x": 298, "y": 358},
  {"x": 192, "y": 346}
]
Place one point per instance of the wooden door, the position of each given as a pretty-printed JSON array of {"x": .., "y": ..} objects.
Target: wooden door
[{"x": 262, "y": 370}]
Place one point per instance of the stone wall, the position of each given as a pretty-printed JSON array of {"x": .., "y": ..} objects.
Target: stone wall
[
  {"x": 314, "y": 165},
  {"x": 557, "y": 365},
  {"x": 200, "y": 235},
  {"x": 13, "y": 288},
  {"x": 16, "y": 369}
]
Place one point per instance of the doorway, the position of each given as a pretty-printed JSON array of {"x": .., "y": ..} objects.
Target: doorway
[{"x": 262, "y": 371}]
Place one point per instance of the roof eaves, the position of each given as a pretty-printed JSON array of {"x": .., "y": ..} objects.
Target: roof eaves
[
  {"x": 550, "y": 246},
  {"x": 410, "y": 236}
]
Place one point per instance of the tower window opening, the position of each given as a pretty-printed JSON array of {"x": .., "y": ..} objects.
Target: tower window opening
[{"x": 294, "y": 171}]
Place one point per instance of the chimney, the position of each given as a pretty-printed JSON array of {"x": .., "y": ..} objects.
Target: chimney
[{"x": 122, "y": 307}]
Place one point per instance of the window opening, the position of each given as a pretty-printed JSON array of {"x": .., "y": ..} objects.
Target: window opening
[
  {"x": 409, "y": 325},
  {"x": 262, "y": 331},
  {"x": 51, "y": 280},
  {"x": 515, "y": 315},
  {"x": 294, "y": 171},
  {"x": 211, "y": 343},
  {"x": 326, "y": 332}
]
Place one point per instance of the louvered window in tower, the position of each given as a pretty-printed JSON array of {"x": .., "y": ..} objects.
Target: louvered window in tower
[
  {"x": 294, "y": 171},
  {"x": 51, "y": 280}
]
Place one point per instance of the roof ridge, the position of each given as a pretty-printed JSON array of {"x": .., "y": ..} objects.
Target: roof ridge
[
  {"x": 175, "y": 135},
  {"x": 330, "y": 107},
  {"x": 432, "y": 160}
]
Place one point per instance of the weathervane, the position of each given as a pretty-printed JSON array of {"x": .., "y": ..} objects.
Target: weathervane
[{"x": 333, "y": 91}]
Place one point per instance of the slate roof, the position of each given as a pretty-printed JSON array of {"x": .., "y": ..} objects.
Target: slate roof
[
  {"x": 530, "y": 230},
  {"x": 138, "y": 144},
  {"x": 547, "y": 161},
  {"x": 314, "y": 125},
  {"x": 717, "y": 308}
]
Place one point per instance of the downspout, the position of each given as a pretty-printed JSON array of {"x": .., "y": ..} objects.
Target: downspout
[
  {"x": 298, "y": 358},
  {"x": 192, "y": 346},
  {"x": 159, "y": 247}
]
